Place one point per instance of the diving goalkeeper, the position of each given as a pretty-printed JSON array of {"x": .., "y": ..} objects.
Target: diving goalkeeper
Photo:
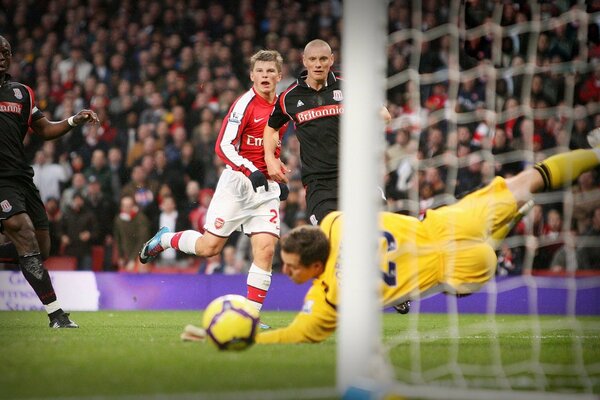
[{"x": 450, "y": 250}]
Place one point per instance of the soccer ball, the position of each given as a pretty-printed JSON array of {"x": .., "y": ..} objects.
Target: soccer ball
[{"x": 231, "y": 322}]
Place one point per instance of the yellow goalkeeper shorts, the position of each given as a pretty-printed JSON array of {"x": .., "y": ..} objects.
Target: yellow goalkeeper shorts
[{"x": 461, "y": 230}]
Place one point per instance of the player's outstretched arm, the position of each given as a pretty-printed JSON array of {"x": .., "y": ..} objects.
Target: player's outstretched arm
[
  {"x": 315, "y": 323},
  {"x": 49, "y": 130}
]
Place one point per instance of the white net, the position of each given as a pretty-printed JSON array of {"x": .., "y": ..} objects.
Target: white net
[{"x": 483, "y": 89}]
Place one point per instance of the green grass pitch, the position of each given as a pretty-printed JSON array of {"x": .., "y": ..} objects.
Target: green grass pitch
[{"x": 139, "y": 355}]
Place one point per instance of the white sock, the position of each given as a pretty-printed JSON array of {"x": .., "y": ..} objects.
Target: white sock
[
  {"x": 165, "y": 239},
  {"x": 50, "y": 308},
  {"x": 258, "y": 282},
  {"x": 183, "y": 241}
]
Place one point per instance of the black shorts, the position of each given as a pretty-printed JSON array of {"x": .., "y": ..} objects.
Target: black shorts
[
  {"x": 321, "y": 199},
  {"x": 19, "y": 195}
]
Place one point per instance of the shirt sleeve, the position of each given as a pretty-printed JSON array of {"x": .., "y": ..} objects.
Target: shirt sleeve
[
  {"x": 232, "y": 128},
  {"x": 315, "y": 323},
  {"x": 278, "y": 116}
]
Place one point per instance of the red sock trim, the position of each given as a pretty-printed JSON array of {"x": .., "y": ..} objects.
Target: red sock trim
[
  {"x": 47, "y": 298},
  {"x": 175, "y": 240},
  {"x": 255, "y": 294}
]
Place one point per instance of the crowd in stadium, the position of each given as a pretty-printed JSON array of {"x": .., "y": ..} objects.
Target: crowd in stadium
[{"x": 161, "y": 74}]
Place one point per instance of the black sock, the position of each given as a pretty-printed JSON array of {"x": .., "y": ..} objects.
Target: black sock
[
  {"x": 8, "y": 253},
  {"x": 38, "y": 277}
]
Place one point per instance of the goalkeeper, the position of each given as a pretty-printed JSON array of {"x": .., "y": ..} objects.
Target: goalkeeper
[{"x": 450, "y": 251}]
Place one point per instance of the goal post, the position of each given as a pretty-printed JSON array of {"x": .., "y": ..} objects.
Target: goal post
[{"x": 364, "y": 63}]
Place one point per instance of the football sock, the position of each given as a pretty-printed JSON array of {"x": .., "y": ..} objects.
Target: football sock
[
  {"x": 562, "y": 169},
  {"x": 38, "y": 277},
  {"x": 183, "y": 241},
  {"x": 53, "y": 309},
  {"x": 258, "y": 283},
  {"x": 8, "y": 253}
]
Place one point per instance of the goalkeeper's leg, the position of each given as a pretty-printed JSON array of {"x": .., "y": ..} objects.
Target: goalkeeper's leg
[
  {"x": 553, "y": 173},
  {"x": 499, "y": 234}
]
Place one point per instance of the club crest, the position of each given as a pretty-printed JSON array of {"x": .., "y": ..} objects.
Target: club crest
[
  {"x": 337, "y": 95},
  {"x": 6, "y": 206},
  {"x": 18, "y": 93},
  {"x": 219, "y": 222}
]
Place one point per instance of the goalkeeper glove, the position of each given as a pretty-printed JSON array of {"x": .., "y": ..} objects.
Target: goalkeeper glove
[
  {"x": 285, "y": 191},
  {"x": 258, "y": 179}
]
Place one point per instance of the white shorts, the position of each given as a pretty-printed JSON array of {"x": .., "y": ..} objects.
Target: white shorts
[{"x": 235, "y": 205}]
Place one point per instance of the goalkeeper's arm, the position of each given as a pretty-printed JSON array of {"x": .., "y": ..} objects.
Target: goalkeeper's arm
[{"x": 315, "y": 323}]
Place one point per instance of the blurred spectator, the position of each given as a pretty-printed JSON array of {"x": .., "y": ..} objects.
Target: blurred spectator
[
  {"x": 470, "y": 176},
  {"x": 586, "y": 198},
  {"x": 471, "y": 94},
  {"x": 191, "y": 201},
  {"x": 434, "y": 144},
  {"x": 211, "y": 265},
  {"x": 118, "y": 172},
  {"x": 143, "y": 191},
  {"x": 168, "y": 173},
  {"x": 590, "y": 90},
  {"x": 549, "y": 241},
  {"x": 588, "y": 248},
  {"x": 433, "y": 176},
  {"x": 78, "y": 185},
  {"x": 502, "y": 149},
  {"x": 76, "y": 66},
  {"x": 402, "y": 147},
  {"x": 49, "y": 176},
  {"x": 79, "y": 229},
  {"x": 192, "y": 167},
  {"x": 103, "y": 206},
  {"x": 231, "y": 265},
  {"x": 131, "y": 228},
  {"x": 54, "y": 217},
  {"x": 176, "y": 222},
  {"x": 100, "y": 171},
  {"x": 156, "y": 112},
  {"x": 509, "y": 260}
]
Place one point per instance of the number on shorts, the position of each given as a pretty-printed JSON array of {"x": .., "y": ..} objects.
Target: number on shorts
[
  {"x": 389, "y": 277},
  {"x": 273, "y": 219}
]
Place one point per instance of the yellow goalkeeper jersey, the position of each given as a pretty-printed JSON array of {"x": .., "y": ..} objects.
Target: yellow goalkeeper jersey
[{"x": 447, "y": 251}]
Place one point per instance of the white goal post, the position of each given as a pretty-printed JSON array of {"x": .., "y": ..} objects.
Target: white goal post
[{"x": 364, "y": 63}]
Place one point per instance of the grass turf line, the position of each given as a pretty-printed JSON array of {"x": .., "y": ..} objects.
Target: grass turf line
[{"x": 139, "y": 353}]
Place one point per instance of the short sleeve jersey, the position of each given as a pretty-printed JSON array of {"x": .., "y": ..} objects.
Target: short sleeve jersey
[
  {"x": 240, "y": 141},
  {"x": 17, "y": 112},
  {"x": 316, "y": 114}
]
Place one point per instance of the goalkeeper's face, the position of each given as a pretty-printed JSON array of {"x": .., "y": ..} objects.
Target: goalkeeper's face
[{"x": 298, "y": 272}]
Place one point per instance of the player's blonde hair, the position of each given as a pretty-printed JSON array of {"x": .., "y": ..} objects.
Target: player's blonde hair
[{"x": 267, "y": 55}]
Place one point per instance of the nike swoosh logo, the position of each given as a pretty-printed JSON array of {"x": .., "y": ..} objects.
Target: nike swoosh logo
[
  {"x": 261, "y": 296},
  {"x": 258, "y": 119}
]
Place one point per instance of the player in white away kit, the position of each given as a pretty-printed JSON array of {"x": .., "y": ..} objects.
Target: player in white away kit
[{"x": 245, "y": 198}]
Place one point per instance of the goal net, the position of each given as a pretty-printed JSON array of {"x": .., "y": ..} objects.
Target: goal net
[{"x": 476, "y": 89}]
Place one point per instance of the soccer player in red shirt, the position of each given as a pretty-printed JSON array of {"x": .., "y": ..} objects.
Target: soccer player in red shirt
[{"x": 245, "y": 198}]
